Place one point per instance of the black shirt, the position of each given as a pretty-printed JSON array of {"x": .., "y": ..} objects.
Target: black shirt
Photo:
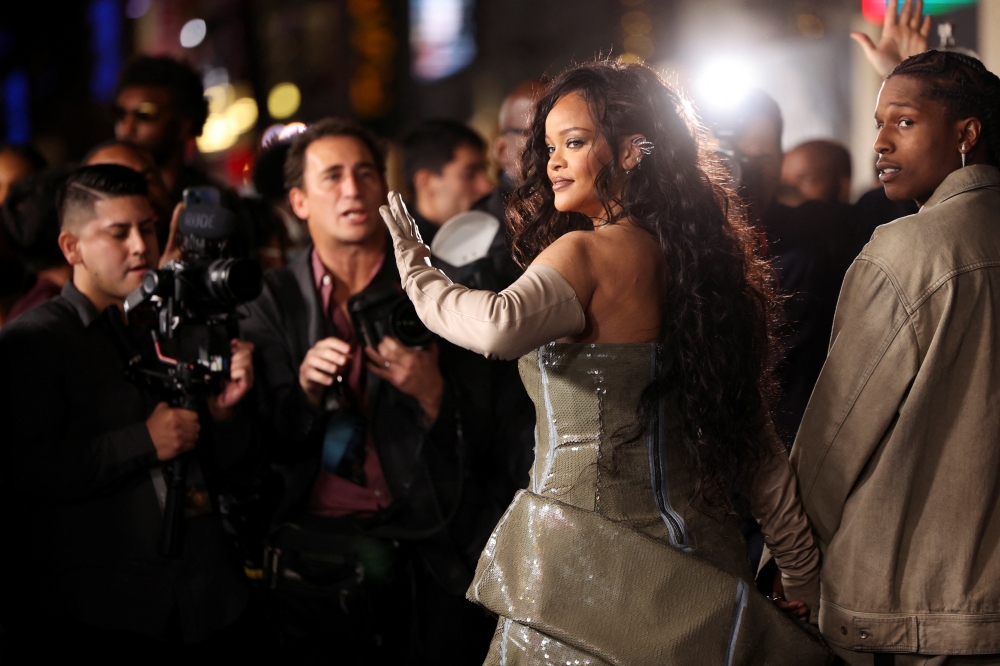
[{"x": 83, "y": 519}]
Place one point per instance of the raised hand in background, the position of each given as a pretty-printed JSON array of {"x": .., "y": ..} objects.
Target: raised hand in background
[{"x": 902, "y": 36}]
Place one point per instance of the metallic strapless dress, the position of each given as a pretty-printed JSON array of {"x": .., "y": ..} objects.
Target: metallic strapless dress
[{"x": 605, "y": 559}]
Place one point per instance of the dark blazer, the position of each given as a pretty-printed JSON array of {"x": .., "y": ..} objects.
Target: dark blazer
[
  {"x": 448, "y": 491},
  {"x": 82, "y": 521}
]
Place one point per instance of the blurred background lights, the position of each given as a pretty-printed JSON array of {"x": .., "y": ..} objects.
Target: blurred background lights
[
  {"x": 219, "y": 133},
  {"x": 442, "y": 36},
  {"x": 193, "y": 33},
  {"x": 242, "y": 114},
  {"x": 219, "y": 96},
  {"x": 283, "y": 100},
  {"x": 874, "y": 10},
  {"x": 137, "y": 8},
  {"x": 724, "y": 81}
]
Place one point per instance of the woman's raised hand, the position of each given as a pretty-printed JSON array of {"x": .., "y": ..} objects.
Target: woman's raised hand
[
  {"x": 902, "y": 36},
  {"x": 409, "y": 247}
]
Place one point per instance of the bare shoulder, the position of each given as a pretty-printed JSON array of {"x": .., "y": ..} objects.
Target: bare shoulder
[{"x": 571, "y": 256}]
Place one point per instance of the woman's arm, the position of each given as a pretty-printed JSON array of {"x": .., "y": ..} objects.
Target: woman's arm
[
  {"x": 776, "y": 505},
  {"x": 541, "y": 306}
]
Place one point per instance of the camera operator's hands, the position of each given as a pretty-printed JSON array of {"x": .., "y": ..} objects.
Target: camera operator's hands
[
  {"x": 321, "y": 366},
  {"x": 901, "y": 37},
  {"x": 415, "y": 372},
  {"x": 173, "y": 430},
  {"x": 172, "y": 250},
  {"x": 240, "y": 381}
]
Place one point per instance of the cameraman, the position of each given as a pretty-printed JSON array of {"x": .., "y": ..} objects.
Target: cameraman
[
  {"x": 84, "y": 449},
  {"x": 405, "y": 483}
]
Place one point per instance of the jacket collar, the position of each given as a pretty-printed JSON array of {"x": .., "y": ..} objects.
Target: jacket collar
[
  {"x": 302, "y": 270},
  {"x": 84, "y": 308},
  {"x": 962, "y": 180}
]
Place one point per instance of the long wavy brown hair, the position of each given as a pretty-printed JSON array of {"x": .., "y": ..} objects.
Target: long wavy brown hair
[{"x": 718, "y": 308}]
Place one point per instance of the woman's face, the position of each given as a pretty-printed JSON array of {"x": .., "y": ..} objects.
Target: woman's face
[
  {"x": 917, "y": 145},
  {"x": 577, "y": 152}
]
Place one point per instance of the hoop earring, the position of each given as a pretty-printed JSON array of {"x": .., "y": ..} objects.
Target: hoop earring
[{"x": 963, "y": 155}]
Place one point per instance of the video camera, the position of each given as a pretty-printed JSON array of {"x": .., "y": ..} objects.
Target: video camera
[
  {"x": 190, "y": 305},
  {"x": 190, "y": 308}
]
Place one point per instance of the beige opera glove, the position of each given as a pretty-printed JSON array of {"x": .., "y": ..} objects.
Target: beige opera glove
[
  {"x": 776, "y": 506},
  {"x": 538, "y": 308}
]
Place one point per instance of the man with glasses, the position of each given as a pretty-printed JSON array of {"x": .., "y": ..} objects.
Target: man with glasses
[{"x": 160, "y": 106}]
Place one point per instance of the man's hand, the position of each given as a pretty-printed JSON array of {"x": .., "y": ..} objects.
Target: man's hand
[
  {"x": 173, "y": 430},
  {"x": 901, "y": 37},
  {"x": 173, "y": 249},
  {"x": 321, "y": 366},
  {"x": 240, "y": 381},
  {"x": 415, "y": 372}
]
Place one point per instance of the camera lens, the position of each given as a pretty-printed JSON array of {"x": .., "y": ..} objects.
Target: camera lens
[
  {"x": 405, "y": 325},
  {"x": 234, "y": 280}
]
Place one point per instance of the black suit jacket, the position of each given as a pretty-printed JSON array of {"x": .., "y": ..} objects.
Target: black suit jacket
[
  {"x": 82, "y": 520},
  {"x": 448, "y": 491}
]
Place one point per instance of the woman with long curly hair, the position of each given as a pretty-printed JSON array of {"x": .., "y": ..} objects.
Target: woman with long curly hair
[{"x": 642, "y": 324}]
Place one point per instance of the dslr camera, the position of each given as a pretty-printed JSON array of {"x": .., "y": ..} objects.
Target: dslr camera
[{"x": 385, "y": 310}]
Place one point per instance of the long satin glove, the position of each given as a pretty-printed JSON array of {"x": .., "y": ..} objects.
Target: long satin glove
[
  {"x": 776, "y": 506},
  {"x": 538, "y": 308}
]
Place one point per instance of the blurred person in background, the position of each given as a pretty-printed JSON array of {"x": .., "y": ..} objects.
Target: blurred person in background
[
  {"x": 83, "y": 448},
  {"x": 514, "y": 126},
  {"x": 444, "y": 163},
  {"x": 16, "y": 163},
  {"x": 897, "y": 453},
  {"x": 817, "y": 171},
  {"x": 514, "y": 122},
  {"x": 139, "y": 160},
  {"x": 381, "y": 445},
  {"x": 31, "y": 222},
  {"x": 160, "y": 106},
  {"x": 269, "y": 182},
  {"x": 807, "y": 245}
]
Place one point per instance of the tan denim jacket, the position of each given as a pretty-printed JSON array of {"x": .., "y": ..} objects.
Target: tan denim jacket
[{"x": 898, "y": 455}]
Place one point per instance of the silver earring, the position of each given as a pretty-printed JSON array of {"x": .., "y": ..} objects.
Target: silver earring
[
  {"x": 644, "y": 146},
  {"x": 963, "y": 155}
]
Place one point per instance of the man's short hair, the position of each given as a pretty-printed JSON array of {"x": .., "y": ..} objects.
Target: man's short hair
[
  {"x": 31, "y": 220},
  {"x": 432, "y": 144},
  {"x": 87, "y": 185},
  {"x": 295, "y": 163},
  {"x": 183, "y": 83}
]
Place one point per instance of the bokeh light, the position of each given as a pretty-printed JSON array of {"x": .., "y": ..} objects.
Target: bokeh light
[
  {"x": 137, "y": 8},
  {"x": 193, "y": 33},
  {"x": 724, "y": 81},
  {"x": 219, "y": 133},
  {"x": 283, "y": 100},
  {"x": 243, "y": 114}
]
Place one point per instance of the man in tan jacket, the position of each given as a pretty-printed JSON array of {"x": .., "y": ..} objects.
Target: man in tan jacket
[{"x": 898, "y": 455}]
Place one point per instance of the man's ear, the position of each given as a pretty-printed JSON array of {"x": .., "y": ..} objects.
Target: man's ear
[
  {"x": 422, "y": 182},
  {"x": 971, "y": 129},
  {"x": 300, "y": 204},
  {"x": 69, "y": 243},
  {"x": 500, "y": 148}
]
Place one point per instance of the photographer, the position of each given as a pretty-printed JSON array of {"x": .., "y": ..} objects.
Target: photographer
[
  {"x": 84, "y": 450},
  {"x": 378, "y": 441}
]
